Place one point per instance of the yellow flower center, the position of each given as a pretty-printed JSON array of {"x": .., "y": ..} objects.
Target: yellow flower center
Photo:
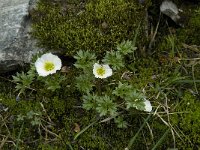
[
  {"x": 48, "y": 66},
  {"x": 101, "y": 71}
]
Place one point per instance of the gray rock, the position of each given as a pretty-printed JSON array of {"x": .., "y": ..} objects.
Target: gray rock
[
  {"x": 170, "y": 9},
  {"x": 16, "y": 44}
]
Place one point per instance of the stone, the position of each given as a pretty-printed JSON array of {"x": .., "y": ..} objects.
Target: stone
[
  {"x": 171, "y": 10},
  {"x": 16, "y": 45},
  {"x": 168, "y": 6}
]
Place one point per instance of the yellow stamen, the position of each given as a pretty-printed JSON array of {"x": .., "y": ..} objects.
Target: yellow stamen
[
  {"x": 48, "y": 66},
  {"x": 101, "y": 71}
]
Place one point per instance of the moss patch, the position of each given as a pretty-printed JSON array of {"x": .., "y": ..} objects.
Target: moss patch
[
  {"x": 90, "y": 25},
  {"x": 190, "y": 33}
]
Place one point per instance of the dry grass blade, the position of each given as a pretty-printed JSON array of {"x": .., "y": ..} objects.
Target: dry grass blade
[
  {"x": 154, "y": 34},
  {"x": 191, "y": 47},
  {"x": 3, "y": 141}
]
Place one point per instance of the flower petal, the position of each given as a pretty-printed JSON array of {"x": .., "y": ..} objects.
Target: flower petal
[{"x": 148, "y": 106}]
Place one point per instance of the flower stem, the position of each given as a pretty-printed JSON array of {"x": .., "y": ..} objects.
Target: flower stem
[{"x": 99, "y": 87}]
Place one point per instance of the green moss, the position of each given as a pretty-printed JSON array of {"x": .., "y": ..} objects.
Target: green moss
[
  {"x": 190, "y": 33},
  {"x": 62, "y": 107},
  {"x": 64, "y": 114},
  {"x": 188, "y": 122},
  {"x": 93, "y": 25}
]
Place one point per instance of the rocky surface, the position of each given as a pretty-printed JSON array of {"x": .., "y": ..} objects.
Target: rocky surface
[{"x": 16, "y": 45}]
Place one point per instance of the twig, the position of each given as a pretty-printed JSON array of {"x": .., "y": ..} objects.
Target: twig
[
  {"x": 3, "y": 142},
  {"x": 154, "y": 35},
  {"x": 146, "y": 23},
  {"x": 189, "y": 59},
  {"x": 168, "y": 118},
  {"x": 45, "y": 111},
  {"x": 52, "y": 133},
  {"x": 195, "y": 86}
]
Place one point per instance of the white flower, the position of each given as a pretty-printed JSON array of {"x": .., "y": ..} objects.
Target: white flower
[
  {"x": 101, "y": 71},
  {"x": 148, "y": 106},
  {"x": 48, "y": 64}
]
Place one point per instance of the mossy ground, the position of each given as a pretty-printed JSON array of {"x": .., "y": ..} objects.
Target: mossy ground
[
  {"x": 71, "y": 26},
  {"x": 168, "y": 72}
]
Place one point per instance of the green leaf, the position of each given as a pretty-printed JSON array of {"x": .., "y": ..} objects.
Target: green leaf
[
  {"x": 115, "y": 59},
  {"x": 85, "y": 59},
  {"x": 89, "y": 101},
  {"x": 20, "y": 117},
  {"x": 132, "y": 97},
  {"x": 84, "y": 83},
  {"x": 53, "y": 82},
  {"x": 120, "y": 122},
  {"x": 123, "y": 90},
  {"x": 126, "y": 47},
  {"x": 105, "y": 106},
  {"x": 36, "y": 121},
  {"x": 135, "y": 103},
  {"x": 23, "y": 80},
  {"x": 16, "y": 79},
  {"x": 30, "y": 114},
  {"x": 135, "y": 100}
]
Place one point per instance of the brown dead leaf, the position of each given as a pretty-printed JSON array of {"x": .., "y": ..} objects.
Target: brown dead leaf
[
  {"x": 65, "y": 69},
  {"x": 76, "y": 128}
]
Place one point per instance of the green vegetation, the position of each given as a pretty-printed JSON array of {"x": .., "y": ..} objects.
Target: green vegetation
[
  {"x": 73, "y": 110},
  {"x": 188, "y": 121},
  {"x": 191, "y": 29},
  {"x": 93, "y": 25}
]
